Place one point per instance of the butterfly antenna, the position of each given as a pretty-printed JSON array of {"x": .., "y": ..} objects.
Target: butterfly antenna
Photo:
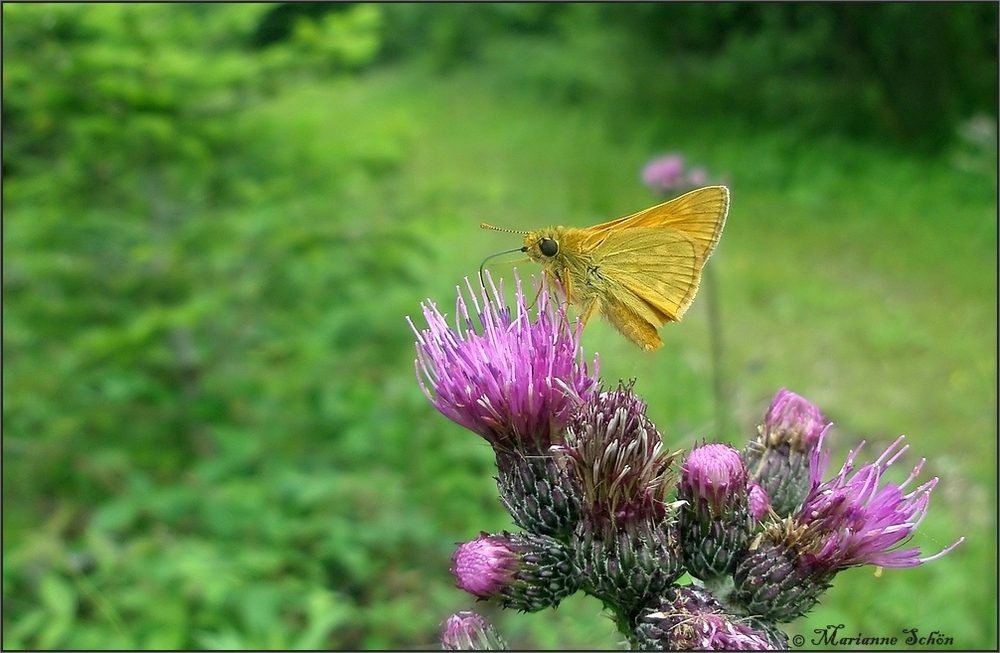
[{"x": 486, "y": 225}]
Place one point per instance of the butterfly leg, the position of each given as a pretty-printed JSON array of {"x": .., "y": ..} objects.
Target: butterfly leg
[{"x": 591, "y": 308}]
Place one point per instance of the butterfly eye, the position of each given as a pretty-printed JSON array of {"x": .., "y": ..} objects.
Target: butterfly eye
[{"x": 548, "y": 246}]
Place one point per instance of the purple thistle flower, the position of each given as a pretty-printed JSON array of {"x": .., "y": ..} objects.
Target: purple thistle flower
[
  {"x": 515, "y": 383},
  {"x": 850, "y": 520},
  {"x": 664, "y": 173},
  {"x": 714, "y": 520},
  {"x": 860, "y": 521},
  {"x": 467, "y": 631},
  {"x": 793, "y": 419},
  {"x": 714, "y": 472}
]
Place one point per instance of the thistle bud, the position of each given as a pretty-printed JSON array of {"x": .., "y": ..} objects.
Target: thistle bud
[
  {"x": 715, "y": 522},
  {"x": 538, "y": 494},
  {"x": 626, "y": 567},
  {"x": 778, "y": 458},
  {"x": 776, "y": 579},
  {"x": 467, "y": 631},
  {"x": 760, "y": 503},
  {"x": 519, "y": 570}
]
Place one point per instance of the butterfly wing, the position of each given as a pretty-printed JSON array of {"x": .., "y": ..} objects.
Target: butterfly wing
[
  {"x": 654, "y": 272},
  {"x": 700, "y": 215}
]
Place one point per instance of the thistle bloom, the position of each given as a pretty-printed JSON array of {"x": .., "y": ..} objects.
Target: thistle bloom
[
  {"x": 516, "y": 382},
  {"x": 848, "y": 521},
  {"x": 467, "y": 631},
  {"x": 864, "y": 523}
]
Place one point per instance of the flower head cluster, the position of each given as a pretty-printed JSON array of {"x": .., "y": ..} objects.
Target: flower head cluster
[{"x": 585, "y": 473}]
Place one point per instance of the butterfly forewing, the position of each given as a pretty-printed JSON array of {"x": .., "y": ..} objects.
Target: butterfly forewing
[{"x": 700, "y": 215}]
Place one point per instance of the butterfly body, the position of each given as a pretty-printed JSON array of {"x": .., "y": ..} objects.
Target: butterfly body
[{"x": 640, "y": 271}]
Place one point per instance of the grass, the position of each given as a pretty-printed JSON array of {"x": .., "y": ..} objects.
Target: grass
[{"x": 861, "y": 278}]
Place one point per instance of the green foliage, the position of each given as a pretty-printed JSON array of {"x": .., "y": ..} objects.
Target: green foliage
[
  {"x": 447, "y": 35},
  {"x": 860, "y": 70},
  {"x": 205, "y": 429}
]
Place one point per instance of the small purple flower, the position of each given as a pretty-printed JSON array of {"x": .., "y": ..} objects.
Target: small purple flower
[
  {"x": 715, "y": 523},
  {"x": 516, "y": 382},
  {"x": 664, "y": 173},
  {"x": 467, "y": 631},
  {"x": 525, "y": 571},
  {"x": 859, "y": 521},
  {"x": 484, "y": 566},
  {"x": 795, "y": 420},
  {"x": 714, "y": 472}
]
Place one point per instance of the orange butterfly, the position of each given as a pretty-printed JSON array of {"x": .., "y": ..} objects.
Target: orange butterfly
[{"x": 640, "y": 271}]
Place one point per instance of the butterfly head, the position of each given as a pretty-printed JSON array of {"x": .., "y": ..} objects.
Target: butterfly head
[{"x": 541, "y": 246}]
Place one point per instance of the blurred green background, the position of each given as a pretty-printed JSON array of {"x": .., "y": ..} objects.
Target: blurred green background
[{"x": 216, "y": 218}]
